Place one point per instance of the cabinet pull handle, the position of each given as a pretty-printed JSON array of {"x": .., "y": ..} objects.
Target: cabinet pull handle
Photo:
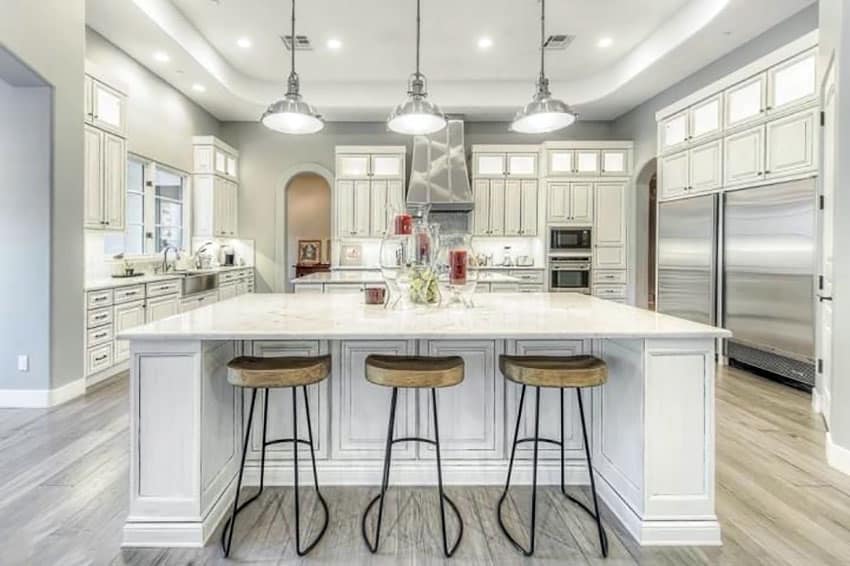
[
  {"x": 164, "y": 287},
  {"x": 100, "y": 335},
  {"x": 767, "y": 172},
  {"x": 101, "y": 358},
  {"x": 98, "y": 299},
  {"x": 100, "y": 316}
]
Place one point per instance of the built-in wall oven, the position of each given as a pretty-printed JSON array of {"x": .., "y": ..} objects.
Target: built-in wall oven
[
  {"x": 569, "y": 240},
  {"x": 569, "y": 274}
]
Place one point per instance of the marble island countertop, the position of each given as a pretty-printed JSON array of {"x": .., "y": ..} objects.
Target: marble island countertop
[
  {"x": 111, "y": 282},
  {"x": 555, "y": 316},
  {"x": 369, "y": 277}
]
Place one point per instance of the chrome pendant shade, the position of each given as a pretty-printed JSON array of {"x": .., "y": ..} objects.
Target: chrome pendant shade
[
  {"x": 291, "y": 114},
  {"x": 543, "y": 114},
  {"x": 417, "y": 115}
]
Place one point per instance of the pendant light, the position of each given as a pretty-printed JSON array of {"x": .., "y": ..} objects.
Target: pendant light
[
  {"x": 417, "y": 115},
  {"x": 291, "y": 115},
  {"x": 543, "y": 114}
]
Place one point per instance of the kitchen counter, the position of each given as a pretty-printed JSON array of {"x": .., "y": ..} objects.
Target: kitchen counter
[
  {"x": 113, "y": 282},
  {"x": 368, "y": 277},
  {"x": 651, "y": 429}
]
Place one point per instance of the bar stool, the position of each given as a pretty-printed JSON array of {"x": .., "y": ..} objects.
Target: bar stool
[
  {"x": 560, "y": 372},
  {"x": 420, "y": 373},
  {"x": 274, "y": 373}
]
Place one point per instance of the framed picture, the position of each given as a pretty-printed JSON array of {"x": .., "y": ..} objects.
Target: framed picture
[
  {"x": 351, "y": 255},
  {"x": 309, "y": 252}
]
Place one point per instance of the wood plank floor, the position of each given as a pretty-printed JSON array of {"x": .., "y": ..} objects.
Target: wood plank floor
[{"x": 63, "y": 498}]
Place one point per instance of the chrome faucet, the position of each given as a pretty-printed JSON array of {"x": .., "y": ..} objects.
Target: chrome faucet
[{"x": 165, "y": 250}]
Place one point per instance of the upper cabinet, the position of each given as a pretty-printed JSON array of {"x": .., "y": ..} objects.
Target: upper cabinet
[
  {"x": 519, "y": 164},
  {"x": 674, "y": 131},
  {"x": 369, "y": 190},
  {"x": 214, "y": 157},
  {"x": 792, "y": 82},
  {"x": 705, "y": 118},
  {"x": 105, "y": 106},
  {"x": 745, "y": 102},
  {"x": 595, "y": 159}
]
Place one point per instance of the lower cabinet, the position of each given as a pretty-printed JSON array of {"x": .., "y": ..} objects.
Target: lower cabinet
[
  {"x": 197, "y": 301},
  {"x": 550, "y": 405},
  {"x": 126, "y": 316},
  {"x": 227, "y": 291},
  {"x": 280, "y": 405},
  {"x": 162, "y": 307}
]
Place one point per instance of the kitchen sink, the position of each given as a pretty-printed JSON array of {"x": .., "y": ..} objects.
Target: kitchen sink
[{"x": 198, "y": 282}]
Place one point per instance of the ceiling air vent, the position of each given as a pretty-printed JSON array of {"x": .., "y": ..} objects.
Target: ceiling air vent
[
  {"x": 302, "y": 42},
  {"x": 558, "y": 41}
]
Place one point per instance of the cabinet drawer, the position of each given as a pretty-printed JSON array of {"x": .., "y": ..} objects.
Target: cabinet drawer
[
  {"x": 531, "y": 288},
  {"x": 95, "y": 299},
  {"x": 126, "y": 294},
  {"x": 226, "y": 276},
  {"x": 612, "y": 292},
  {"x": 99, "y": 358},
  {"x": 528, "y": 276},
  {"x": 98, "y": 336},
  {"x": 609, "y": 277},
  {"x": 162, "y": 288},
  {"x": 99, "y": 317}
]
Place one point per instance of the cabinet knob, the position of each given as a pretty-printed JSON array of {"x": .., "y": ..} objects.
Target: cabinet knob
[{"x": 767, "y": 172}]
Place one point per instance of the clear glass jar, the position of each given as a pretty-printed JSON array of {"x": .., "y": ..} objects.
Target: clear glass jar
[
  {"x": 457, "y": 269},
  {"x": 407, "y": 255}
]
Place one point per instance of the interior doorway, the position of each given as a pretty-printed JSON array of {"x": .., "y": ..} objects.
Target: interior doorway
[
  {"x": 308, "y": 221},
  {"x": 652, "y": 240}
]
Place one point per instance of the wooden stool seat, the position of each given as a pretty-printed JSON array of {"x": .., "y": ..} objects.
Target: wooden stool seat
[
  {"x": 278, "y": 372},
  {"x": 554, "y": 371},
  {"x": 414, "y": 371}
]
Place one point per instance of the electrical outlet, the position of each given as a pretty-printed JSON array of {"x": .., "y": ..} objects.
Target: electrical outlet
[{"x": 23, "y": 362}]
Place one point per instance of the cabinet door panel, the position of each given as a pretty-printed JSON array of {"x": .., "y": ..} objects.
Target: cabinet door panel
[
  {"x": 587, "y": 162},
  {"x": 114, "y": 181},
  {"x": 745, "y": 102},
  {"x": 362, "y": 199},
  {"x": 109, "y": 108},
  {"x": 581, "y": 202},
  {"x": 793, "y": 82},
  {"x": 497, "y": 207},
  {"x": 489, "y": 164},
  {"x": 614, "y": 162},
  {"x": 674, "y": 131},
  {"x": 609, "y": 228},
  {"x": 378, "y": 198},
  {"x": 513, "y": 208},
  {"x": 705, "y": 166},
  {"x": 609, "y": 257},
  {"x": 550, "y": 405},
  {"x": 93, "y": 178},
  {"x": 386, "y": 166},
  {"x": 280, "y": 405},
  {"x": 522, "y": 164},
  {"x": 344, "y": 208},
  {"x": 160, "y": 308},
  {"x": 362, "y": 410},
  {"x": 705, "y": 118},
  {"x": 481, "y": 214},
  {"x": 352, "y": 166},
  {"x": 744, "y": 156},
  {"x": 124, "y": 317},
  {"x": 528, "y": 225},
  {"x": 559, "y": 202},
  {"x": 471, "y": 414},
  {"x": 561, "y": 162},
  {"x": 790, "y": 145},
  {"x": 675, "y": 177}
]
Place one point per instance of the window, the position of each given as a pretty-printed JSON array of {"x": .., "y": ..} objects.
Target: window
[{"x": 157, "y": 210}]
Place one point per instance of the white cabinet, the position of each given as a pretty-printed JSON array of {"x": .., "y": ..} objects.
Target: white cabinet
[
  {"x": 353, "y": 201},
  {"x": 505, "y": 190},
  {"x": 614, "y": 162},
  {"x": 362, "y": 409},
  {"x": 520, "y": 207},
  {"x": 105, "y": 107},
  {"x": 369, "y": 190},
  {"x": 510, "y": 164},
  {"x": 197, "y": 301},
  {"x": 675, "y": 175},
  {"x": 214, "y": 157},
  {"x": 489, "y": 165},
  {"x": 386, "y": 198},
  {"x": 471, "y": 414},
  {"x": 674, "y": 131},
  {"x": 227, "y": 291},
  {"x": 126, "y": 316},
  {"x": 587, "y": 162},
  {"x": 609, "y": 227},
  {"x": 705, "y": 118},
  {"x": 489, "y": 215},
  {"x": 561, "y": 162},
  {"x": 162, "y": 307},
  {"x": 352, "y": 166},
  {"x": 216, "y": 206},
  {"x": 791, "y": 144},
  {"x": 745, "y": 101},
  {"x": 104, "y": 179},
  {"x": 792, "y": 82},
  {"x": 744, "y": 160},
  {"x": 705, "y": 165},
  {"x": 570, "y": 203},
  {"x": 522, "y": 165}
]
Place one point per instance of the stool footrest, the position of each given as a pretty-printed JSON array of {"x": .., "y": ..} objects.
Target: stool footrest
[
  {"x": 414, "y": 439},
  {"x": 286, "y": 440},
  {"x": 541, "y": 440}
]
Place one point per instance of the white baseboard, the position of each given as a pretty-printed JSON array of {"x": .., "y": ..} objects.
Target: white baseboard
[
  {"x": 102, "y": 376},
  {"x": 817, "y": 402},
  {"x": 41, "y": 398},
  {"x": 837, "y": 456}
]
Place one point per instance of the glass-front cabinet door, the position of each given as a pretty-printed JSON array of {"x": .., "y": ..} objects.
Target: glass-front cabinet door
[
  {"x": 561, "y": 162},
  {"x": 108, "y": 108},
  {"x": 522, "y": 165},
  {"x": 674, "y": 130},
  {"x": 386, "y": 166},
  {"x": 587, "y": 162},
  {"x": 489, "y": 165},
  {"x": 352, "y": 166},
  {"x": 745, "y": 101},
  {"x": 706, "y": 118},
  {"x": 614, "y": 162},
  {"x": 793, "y": 82}
]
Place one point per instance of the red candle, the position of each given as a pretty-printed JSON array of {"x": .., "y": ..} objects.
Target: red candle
[
  {"x": 457, "y": 267},
  {"x": 403, "y": 224},
  {"x": 423, "y": 245}
]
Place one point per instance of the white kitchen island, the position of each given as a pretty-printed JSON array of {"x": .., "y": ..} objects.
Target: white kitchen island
[{"x": 652, "y": 424}]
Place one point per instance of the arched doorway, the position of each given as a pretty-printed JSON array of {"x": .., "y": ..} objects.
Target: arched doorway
[
  {"x": 645, "y": 215},
  {"x": 308, "y": 219}
]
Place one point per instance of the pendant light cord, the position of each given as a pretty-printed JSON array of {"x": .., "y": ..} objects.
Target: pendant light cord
[
  {"x": 292, "y": 42},
  {"x": 542, "y": 38},
  {"x": 418, "y": 26}
]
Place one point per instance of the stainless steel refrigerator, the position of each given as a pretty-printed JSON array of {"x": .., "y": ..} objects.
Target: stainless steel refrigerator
[{"x": 746, "y": 260}]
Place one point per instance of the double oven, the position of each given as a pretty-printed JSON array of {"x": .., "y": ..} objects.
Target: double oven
[{"x": 570, "y": 253}]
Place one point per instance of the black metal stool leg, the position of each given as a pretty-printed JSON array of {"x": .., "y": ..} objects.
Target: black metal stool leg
[
  {"x": 324, "y": 504},
  {"x": 443, "y": 497},
  {"x": 230, "y": 525},
  {"x": 563, "y": 488},
  {"x": 384, "y": 481},
  {"x": 603, "y": 538}
]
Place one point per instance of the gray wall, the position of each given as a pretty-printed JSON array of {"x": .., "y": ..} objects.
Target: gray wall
[
  {"x": 160, "y": 119},
  {"x": 835, "y": 39},
  {"x": 25, "y": 227},
  {"x": 639, "y": 124},
  {"x": 49, "y": 37},
  {"x": 266, "y": 156}
]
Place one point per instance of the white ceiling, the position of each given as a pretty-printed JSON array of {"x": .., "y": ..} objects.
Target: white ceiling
[{"x": 656, "y": 43}]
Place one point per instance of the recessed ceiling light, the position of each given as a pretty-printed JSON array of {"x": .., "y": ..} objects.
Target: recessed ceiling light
[
  {"x": 243, "y": 42},
  {"x": 162, "y": 57},
  {"x": 334, "y": 43},
  {"x": 199, "y": 87},
  {"x": 604, "y": 42},
  {"x": 485, "y": 42}
]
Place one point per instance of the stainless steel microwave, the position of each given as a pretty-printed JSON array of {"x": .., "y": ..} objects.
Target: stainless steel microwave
[{"x": 569, "y": 240}]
